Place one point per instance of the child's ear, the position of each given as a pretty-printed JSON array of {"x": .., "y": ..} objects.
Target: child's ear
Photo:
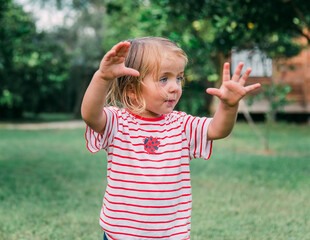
[{"x": 131, "y": 93}]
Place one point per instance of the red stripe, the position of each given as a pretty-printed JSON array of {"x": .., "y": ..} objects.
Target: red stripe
[
  {"x": 105, "y": 143},
  {"x": 146, "y": 159},
  {"x": 145, "y": 222},
  {"x": 185, "y": 125},
  {"x": 111, "y": 125},
  {"x": 143, "y": 206},
  {"x": 150, "y": 131},
  {"x": 90, "y": 132},
  {"x": 211, "y": 143},
  {"x": 134, "y": 166},
  {"x": 148, "y": 191},
  {"x": 88, "y": 140},
  {"x": 144, "y": 229},
  {"x": 173, "y": 143},
  {"x": 202, "y": 137},
  {"x": 142, "y": 144},
  {"x": 144, "y": 152},
  {"x": 93, "y": 134},
  {"x": 149, "y": 199},
  {"x": 146, "y": 214},
  {"x": 191, "y": 130},
  {"x": 149, "y": 175},
  {"x": 124, "y": 141},
  {"x": 148, "y": 124},
  {"x": 143, "y": 137},
  {"x": 157, "y": 119},
  {"x": 105, "y": 140},
  {"x": 196, "y": 128},
  {"x": 153, "y": 183}
]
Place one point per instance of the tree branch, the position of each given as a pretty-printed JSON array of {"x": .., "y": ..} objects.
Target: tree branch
[{"x": 303, "y": 32}]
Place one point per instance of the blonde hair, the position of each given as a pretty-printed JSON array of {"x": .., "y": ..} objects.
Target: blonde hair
[{"x": 145, "y": 55}]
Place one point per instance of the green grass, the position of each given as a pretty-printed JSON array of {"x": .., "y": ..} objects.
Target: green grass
[
  {"x": 243, "y": 193},
  {"x": 51, "y": 187}
]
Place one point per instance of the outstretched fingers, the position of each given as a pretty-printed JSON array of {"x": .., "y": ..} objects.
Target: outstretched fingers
[
  {"x": 117, "y": 47},
  {"x": 231, "y": 91},
  {"x": 118, "y": 52},
  {"x": 226, "y": 72},
  {"x": 122, "y": 48},
  {"x": 252, "y": 87},
  {"x": 214, "y": 91},
  {"x": 245, "y": 76},
  {"x": 113, "y": 62},
  {"x": 237, "y": 73},
  {"x": 109, "y": 55}
]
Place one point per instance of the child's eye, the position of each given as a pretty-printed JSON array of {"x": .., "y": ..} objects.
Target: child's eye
[
  {"x": 163, "y": 80},
  {"x": 180, "y": 79}
]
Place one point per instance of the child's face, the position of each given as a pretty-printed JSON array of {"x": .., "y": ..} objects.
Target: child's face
[{"x": 163, "y": 94}]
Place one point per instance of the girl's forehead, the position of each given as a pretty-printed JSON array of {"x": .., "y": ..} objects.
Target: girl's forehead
[{"x": 172, "y": 63}]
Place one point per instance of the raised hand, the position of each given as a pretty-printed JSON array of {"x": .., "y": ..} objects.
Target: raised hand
[
  {"x": 113, "y": 63},
  {"x": 233, "y": 90}
]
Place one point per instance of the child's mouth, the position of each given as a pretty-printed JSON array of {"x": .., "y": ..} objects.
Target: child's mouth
[{"x": 171, "y": 101}]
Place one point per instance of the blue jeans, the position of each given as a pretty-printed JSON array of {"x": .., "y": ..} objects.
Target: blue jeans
[{"x": 105, "y": 236}]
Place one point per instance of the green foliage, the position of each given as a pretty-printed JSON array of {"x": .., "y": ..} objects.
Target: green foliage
[
  {"x": 246, "y": 23},
  {"x": 276, "y": 95},
  {"x": 131, "y": 19},
  {"x": 33, "y": 66},
  {"x": 206, "y": 30},
  {"x": 83, "y": 40}
]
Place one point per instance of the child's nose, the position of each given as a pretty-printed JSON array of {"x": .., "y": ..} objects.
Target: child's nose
[{"x": 174, "y": 86}]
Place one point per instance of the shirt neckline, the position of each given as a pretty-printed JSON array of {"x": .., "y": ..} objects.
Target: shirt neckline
[{"x": 147, "y": 119}]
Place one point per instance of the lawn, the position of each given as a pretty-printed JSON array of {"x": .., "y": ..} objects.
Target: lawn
[{"x": 51, "y": 187}]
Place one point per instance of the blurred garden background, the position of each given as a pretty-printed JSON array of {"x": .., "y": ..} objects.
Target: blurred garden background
[{"x": 256, "y": 184}]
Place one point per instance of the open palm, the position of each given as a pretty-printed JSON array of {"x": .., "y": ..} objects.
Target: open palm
[
  {"x": 113, "y": 63},
  {"x": 234, "y": 89}
]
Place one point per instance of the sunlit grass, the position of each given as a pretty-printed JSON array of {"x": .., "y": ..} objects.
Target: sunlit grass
[{"x": 51, "y": 187}]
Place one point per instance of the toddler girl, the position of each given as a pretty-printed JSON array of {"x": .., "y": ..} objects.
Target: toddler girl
[{"x": 148, "y": 144}]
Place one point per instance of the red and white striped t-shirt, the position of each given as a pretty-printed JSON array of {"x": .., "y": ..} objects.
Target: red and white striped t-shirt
[{"x": 148, "y": 194}]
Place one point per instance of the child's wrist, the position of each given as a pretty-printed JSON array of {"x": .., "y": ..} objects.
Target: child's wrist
[
  {"x": 103, "y": 76},
  {"x": 230, "y": 107}
]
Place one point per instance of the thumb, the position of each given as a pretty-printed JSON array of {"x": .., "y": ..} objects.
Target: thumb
[
  {"x": 131, "y": 72},
  {"x": 214, "y": 92}
]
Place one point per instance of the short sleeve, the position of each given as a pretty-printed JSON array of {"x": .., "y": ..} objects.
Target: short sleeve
[
  {"x": 97, "y": 141},
  {"x": 196, "y": 129}
]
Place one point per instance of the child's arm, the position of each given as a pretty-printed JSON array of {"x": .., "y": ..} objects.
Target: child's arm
[
  {"x": 230, "y": 93},
  {"x": 111, "y": 67}
]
